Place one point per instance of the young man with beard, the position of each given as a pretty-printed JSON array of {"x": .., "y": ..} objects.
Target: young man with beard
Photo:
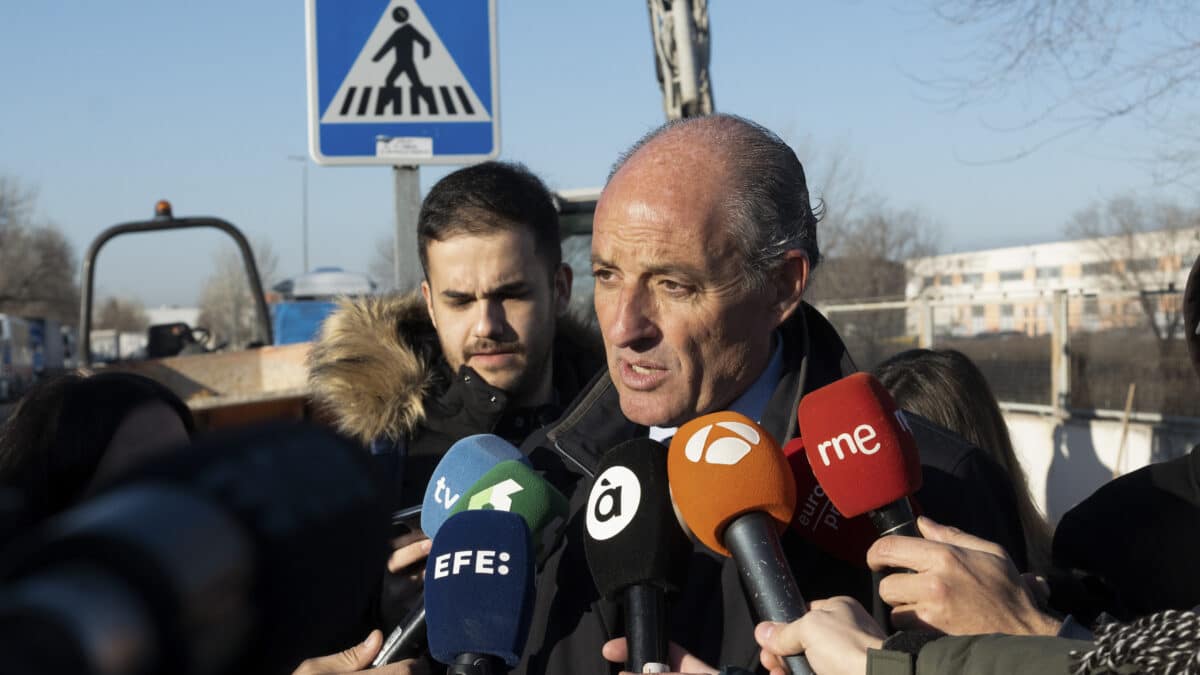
[{"x": 486, "y": 347}]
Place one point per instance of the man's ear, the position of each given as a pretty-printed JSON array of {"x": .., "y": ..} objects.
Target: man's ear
[
  {"x": 428, "y": 295},
  {"x": 790, "y": 281},
  {"x": 563, "y": 278}
]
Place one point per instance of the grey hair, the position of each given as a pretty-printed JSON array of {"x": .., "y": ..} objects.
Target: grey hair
[{"x": 768, "y": 203}]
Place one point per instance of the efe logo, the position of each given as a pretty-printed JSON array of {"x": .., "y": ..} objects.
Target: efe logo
[
  {"x": 725, "y": 448},
  {"x": 474, "y": 562},
  {"x": 613, "y": 502}
]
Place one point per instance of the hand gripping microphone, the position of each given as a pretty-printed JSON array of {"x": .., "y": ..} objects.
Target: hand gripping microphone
[
  {"x": 735, "y": 492},
  {"x": 634, "y": 545},
  {"x": 862, "y": 452},
  {"x": 459, "y": 469},
  {"x": 479, "y": 592}
]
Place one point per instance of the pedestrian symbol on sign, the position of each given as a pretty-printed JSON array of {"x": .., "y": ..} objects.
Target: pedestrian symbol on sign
[
  {"x": 374, "y": 90},
  {"x": 402, "y": 42}
]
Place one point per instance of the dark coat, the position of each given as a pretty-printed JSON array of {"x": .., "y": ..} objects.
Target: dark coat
[
  {"x": 710, "y": 617},
  {"x": 378, "y": 371},
  {"x": 1139, "y": 534}
]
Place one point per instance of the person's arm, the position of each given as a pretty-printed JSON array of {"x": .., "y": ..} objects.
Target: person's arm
[
  {"x": 357, "y": 659},
  {"x": 834, "y": 634},
  {"x": 959, "y": 585}
]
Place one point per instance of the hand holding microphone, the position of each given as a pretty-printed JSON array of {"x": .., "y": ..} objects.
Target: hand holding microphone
[
  {"x": 835, "y": 635},
  {"x": 961, "y": 585}
]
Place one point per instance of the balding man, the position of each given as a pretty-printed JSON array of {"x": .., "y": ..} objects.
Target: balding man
[{"x": 703, "y": 243}]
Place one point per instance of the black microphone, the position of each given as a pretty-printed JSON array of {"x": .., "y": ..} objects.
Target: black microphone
[
  {"x": 246, "y": 552},
  {"x": 634, "y": 545}
]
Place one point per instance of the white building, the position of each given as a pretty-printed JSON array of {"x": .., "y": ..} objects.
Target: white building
[{"x": 1007, "y": 289}]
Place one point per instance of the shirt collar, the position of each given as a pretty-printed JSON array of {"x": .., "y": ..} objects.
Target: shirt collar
[{"x": 753, "y": 402}]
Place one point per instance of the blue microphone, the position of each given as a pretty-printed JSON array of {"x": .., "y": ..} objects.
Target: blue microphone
[
  {"x": 460, "y": 468},
  {"x": 479, "y": 592}
]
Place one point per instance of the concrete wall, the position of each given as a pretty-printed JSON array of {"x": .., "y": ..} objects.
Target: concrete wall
[{"x": 1066, "y": 460}]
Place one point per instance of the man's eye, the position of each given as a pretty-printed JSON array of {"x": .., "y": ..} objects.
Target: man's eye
[
  {"x": 674, "y": 287},
  {"x": 602, "y": 274}
]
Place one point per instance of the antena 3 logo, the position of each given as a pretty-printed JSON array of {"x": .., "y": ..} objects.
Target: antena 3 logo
[
  {"x": 725, "y": 448},
  {"x": 613, "y": 502}
]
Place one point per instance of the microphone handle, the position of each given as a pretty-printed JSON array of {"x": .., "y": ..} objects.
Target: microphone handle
[
  {"x": 476, "y": 664},
  {"x": 645, "y": 615},
  {"x": 403, "y": 637},
  {"x": 766, "y": 577},
  {"x": 894, "y": 518}
]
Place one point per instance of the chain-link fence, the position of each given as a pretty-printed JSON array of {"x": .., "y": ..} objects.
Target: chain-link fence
[{"x": 1120, "y": 348}]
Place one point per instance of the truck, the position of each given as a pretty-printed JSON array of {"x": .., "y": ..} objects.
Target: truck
[
  {"x": 309, "y": 298},
  {"x": 222, "y": 388}
]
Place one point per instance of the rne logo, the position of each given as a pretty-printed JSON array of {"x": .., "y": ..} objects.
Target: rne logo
[
  {"x": 726, "y": 448},
  {"x": 845, "y": 443}
]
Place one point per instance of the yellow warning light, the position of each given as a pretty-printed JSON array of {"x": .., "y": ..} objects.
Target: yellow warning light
[{"x": 163, "y": 209}]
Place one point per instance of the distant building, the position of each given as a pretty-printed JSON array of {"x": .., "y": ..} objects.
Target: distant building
[{"x": 1009, "y": 289}]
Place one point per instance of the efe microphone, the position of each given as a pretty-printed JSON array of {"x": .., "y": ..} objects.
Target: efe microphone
[
  {"x": 734, "y": 490},
  {"x": 479, "y": 592},
  {"x": 459, "y": 469},
  {"x": 635, "y": 548}
]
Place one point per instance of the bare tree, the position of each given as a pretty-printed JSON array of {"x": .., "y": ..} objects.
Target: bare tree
[
  {"x": 868, "y": 263},
  {"x": 1142, "y": 245},
  {"x": 869, "y": 267},
  {"x": 381, "y": 268},
  {"x": 226, "y": 302},
  {"x": 37, "y": 263},
  {"x": 1098, "y": 60},
  {"x": 123, "y": 315}
]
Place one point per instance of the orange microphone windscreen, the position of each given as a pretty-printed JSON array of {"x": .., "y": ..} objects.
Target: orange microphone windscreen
[
  {"x": 723, "y": 465},
  {"x": 859, "y": 445}
]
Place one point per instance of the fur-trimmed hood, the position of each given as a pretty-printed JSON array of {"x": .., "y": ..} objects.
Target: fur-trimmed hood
[{"x": 377, "y": 360}]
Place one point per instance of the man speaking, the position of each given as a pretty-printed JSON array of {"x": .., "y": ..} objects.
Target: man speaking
[{"x": 703, "y": 243}]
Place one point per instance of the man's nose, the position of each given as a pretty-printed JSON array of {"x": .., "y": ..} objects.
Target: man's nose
[
  {"x": 634, "y": 318},
  {"x": 490, "y": 322}
]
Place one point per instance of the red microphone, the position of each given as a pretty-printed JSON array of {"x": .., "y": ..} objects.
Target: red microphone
[
  {"x": 819, "y": 521},
  {"x": 862, "y": 452}
]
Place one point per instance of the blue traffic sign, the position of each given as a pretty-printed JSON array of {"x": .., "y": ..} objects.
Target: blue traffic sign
[{"x": 402, "y": 81}]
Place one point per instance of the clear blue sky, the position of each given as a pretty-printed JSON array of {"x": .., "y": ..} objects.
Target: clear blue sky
[{"x": 110, "y": 106}]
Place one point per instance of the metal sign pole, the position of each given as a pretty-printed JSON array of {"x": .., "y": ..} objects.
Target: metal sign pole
[{"x": 406, "y": 263}]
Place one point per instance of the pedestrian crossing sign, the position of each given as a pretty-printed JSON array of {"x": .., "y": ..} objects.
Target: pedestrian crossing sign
[{"x": 402, "y": 82}]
